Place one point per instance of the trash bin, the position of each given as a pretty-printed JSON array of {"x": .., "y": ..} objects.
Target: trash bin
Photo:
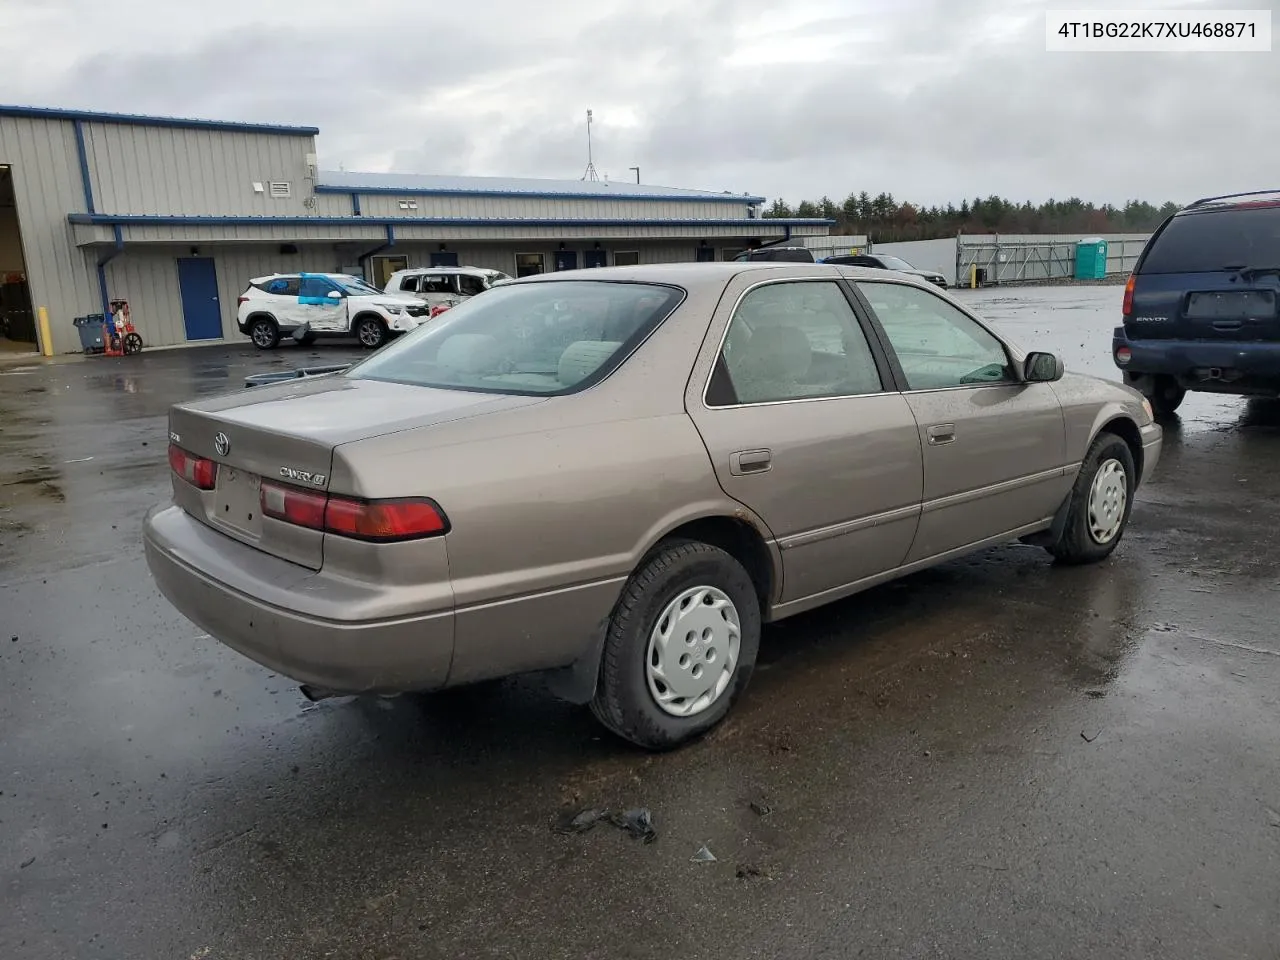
[
  {"x": 1091, "y": 259},
  {"x": 91, "y": 329}
]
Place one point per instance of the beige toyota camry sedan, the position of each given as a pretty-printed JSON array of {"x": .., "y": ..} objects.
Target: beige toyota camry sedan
[{"x": 614, "y": 477}]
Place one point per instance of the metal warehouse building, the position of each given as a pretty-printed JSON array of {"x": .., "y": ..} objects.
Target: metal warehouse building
[{"x": 175, "y": 216}]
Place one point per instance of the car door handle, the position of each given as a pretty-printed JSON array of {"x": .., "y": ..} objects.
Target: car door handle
[
  {"x": 749, "y": 461},
  {"x": 941, "y": 433}
]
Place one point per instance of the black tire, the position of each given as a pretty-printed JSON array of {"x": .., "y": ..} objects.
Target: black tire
[
  {"x": 371, "y": 332},
  {"x": 264, "y": 333},
  {"x": 132, "y": 343},
  {"x": 1078, "y": 543},
  {"x": 1165, "y": 397},
  {"x": 623, "y": 701}
]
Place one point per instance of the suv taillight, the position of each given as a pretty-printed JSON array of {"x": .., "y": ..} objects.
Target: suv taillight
[
  {"x": 241, "y": 300},
  {"x": 379, "y": 521},
  {"x": 1126, "y": 305},
  {"x": 197, "y": 471}
]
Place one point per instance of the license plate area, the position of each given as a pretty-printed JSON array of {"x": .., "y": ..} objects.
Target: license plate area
[
  {"x": 1231, "y": 305},
  {"x": 236, "y": 497}
]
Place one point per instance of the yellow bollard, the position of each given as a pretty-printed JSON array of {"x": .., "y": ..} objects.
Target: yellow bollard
[
  {"x": 46, "y": 339},
  {"x": 973, "y": 276}
]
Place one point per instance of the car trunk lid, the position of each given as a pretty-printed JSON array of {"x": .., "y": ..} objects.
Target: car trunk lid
[
  {"x": 1210, "y": 275},
  {"x": 286, "y": 434}
]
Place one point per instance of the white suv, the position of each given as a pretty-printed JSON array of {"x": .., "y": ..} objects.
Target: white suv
[
  {"x": 324, "y": 305},
  {"x": 444, "y": 286}
]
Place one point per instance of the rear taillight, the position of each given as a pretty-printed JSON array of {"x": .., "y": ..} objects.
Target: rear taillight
[
  {"x": 241, "y": 300},
  {"x": 1126, "y": 305},
  {"x": 381, "y": 521},
  {"x": 1123, "y": 356},
  {"x": 197, "y": 471}
]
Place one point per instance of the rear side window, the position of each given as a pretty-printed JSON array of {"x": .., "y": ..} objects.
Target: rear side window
[
  {"x": 436, "y": 284},
  {"x": 409, "y": 284},
  {"x": 535, "y": 339},
  {"x": 1221, "y": 240},
  {"x": 283, "y": 286}
]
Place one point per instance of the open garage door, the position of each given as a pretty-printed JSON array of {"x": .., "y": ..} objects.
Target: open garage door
[{"x": 17, "y": 319}]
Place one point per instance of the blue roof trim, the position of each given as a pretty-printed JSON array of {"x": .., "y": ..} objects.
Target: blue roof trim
[
  {"x": 107, "y": 219},
  {"x": 549, "y": 195},
  {"x": 140, "y": 120}
]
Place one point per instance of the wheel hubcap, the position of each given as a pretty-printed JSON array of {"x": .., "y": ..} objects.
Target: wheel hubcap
[
  {"x": 369, "y": 334},
  {"x": 261, "y": 334},
  {"x": 693, "y": 651},
  {"x": 1107, "y": 499}
]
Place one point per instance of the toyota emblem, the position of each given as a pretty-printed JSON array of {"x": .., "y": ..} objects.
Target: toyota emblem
[{"x": 221, "y": 444}]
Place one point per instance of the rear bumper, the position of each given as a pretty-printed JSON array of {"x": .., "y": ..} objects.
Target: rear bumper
[
  {"x": 1218, "y": 366},
  {"x": 290, "y": 619}
]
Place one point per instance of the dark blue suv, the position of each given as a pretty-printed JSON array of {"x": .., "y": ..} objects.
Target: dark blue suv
[{"x": 1200, "y": 310}]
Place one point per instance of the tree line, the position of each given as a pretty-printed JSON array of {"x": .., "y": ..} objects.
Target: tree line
[{"x": 884, "y": 220}]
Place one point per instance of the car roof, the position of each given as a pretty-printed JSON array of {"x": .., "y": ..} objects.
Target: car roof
[
  {"x": 695, "y": 274},
  {"x": 469, "y": 270},
  {"x": 306, "y": 273}
]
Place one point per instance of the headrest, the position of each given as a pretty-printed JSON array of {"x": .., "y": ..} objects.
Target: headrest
[{"x": 582, "y": 358}]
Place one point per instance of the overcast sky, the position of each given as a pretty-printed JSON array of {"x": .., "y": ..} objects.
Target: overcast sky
[{"x": 931, "y": 100}]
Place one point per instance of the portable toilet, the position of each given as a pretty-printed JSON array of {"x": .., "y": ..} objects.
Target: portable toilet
[{"x": 1091, "y": 259}]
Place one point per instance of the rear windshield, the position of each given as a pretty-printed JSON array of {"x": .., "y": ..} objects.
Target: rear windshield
[
  {"x": 895, "y": 263},
  {"x": 535, "y": 339},
  {"x": 1222, "y": 240}
]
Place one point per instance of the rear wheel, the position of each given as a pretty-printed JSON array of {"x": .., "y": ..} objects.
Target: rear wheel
[
  {"x": 1101, "y": 500},
  {"x": 132, "y": 343},
  {"x": 1165, "y": 396},
  {"x": 264, "y": 333},
  {"x": 371, "y": 332},
  {"x": 680, "y": 647}
]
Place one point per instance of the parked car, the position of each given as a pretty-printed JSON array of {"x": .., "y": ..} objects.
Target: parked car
[
  {"x": 783, "y": 252},
  {"x": 616, "y": 476},
  {"x": 444, "y": 286},
  {"x": 883, "y": 261},
  {"x": 324, "y": 305},
  {"x": 1201, "y": 306}
]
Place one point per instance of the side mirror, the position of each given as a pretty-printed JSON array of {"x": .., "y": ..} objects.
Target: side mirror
[
  {"x": 1042, "y": 368},
  {"x": 334, "y": 295}
]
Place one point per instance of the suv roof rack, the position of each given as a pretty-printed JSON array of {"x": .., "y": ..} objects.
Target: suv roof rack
[{"x": 1233, "y": 196}]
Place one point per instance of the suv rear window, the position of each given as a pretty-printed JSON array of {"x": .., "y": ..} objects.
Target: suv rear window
[
  {"x": 1217, "y": 240},
  {"x": 535, "y": 339}
]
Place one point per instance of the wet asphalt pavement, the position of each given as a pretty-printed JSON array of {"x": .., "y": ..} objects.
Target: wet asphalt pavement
[{"x": 995, "y": 758}]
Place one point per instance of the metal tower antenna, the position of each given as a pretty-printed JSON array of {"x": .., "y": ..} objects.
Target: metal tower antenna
[{"x": 590, "y": 173}]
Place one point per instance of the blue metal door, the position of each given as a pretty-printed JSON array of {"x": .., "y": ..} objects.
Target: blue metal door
[
  {"x": 595, "y": 258},
  {"x": 566, "y": 260},
  {"x": 201, "y": 311},
  {"x": 444, "y": 258}
]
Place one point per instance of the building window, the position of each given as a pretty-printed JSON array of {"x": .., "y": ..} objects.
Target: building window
[
  {"x": 626, "y": 258},
  {"x": 280, "y": 190},
  {"x": 529, "y": 264}
]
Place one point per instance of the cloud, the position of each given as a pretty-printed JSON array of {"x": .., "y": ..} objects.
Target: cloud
[{"x": 932, "y": 101}]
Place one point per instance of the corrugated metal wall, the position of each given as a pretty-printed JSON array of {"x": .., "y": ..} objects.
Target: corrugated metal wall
[
  {"x": 388, "y": 205},
  {"x": 46, "y": 182},
  {"x": 170, "y": 170},
  {"x": 148, "y": 279}
]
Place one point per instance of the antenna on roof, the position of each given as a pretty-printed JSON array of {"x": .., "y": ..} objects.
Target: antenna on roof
[{"x": 590, "y": 173}]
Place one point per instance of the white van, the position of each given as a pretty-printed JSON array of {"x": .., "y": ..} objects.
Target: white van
[{"x": 443, "y": 286}]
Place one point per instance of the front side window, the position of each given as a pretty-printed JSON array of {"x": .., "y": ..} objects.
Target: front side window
[
  {"x": 793, "y": 341},
  {"x": 534, "y": 339},
  {"x": 355, "y": 287},
  {"x": 937, "y": 345},
  {"x": 469, "y": 286},
  {"x": 315, "y": 287}
]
